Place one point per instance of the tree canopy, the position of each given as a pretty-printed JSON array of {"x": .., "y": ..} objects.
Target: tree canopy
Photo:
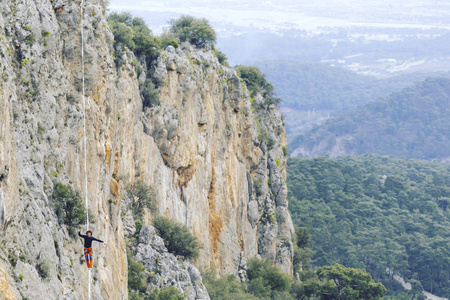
[
  {"x": 198, "y": 32},
  {"x": 376, "y": 213},
  {"x": 134, "y": 33},
  {"x": 348, "y": 283}
]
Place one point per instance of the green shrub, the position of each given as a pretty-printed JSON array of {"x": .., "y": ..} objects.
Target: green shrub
[
  {"x": 174, "y": 44},
  {"x": 226, "y": 287},
  {"x": 143, "y": 196},
  {"x": 266, "y": 279},
  {"x": 258, "y": 186},
  {"x": 43, "y": 269},
  {"x": 123, "y": 34},
  {"x": 146, "y": 45},
  {"x": 221, "y": 57},
  {"x": 12, "y": 259},
  {"x": 124, "y": 17},
  {"x": 133, "y": 33},
  {"x": 277, "y": 160},
  {"x": 68, "y": 204},
  {"x": 177, "y": 238},
  {"x": 266, "y": 139},
  {"x": 255, "y": 80},
  {"x": 138, "y": 225},
  {"x": 30, "y": 39},
  {"x": 71, "y": 98},
  {"x": 149, "y": 93},
  {"x": 198, "y": 32},
  {"x": 22, "y": 257},
  {"x": 169, "y": 39},
  {"x": 167, "y": 293},
  {"x": 136, "y": 272}
]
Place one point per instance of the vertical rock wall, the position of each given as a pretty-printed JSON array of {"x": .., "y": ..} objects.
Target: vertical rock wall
[{"x": 213, "y": 155}]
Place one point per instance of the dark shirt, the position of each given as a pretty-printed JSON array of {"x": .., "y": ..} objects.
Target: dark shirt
[{"x": 88, "y": 240}]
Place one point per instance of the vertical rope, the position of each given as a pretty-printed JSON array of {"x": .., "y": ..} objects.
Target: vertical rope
[
  {"x": 89, "y": 289},
  {"x": 84, "y": 134},
  {"x": 84, "y": 118}
]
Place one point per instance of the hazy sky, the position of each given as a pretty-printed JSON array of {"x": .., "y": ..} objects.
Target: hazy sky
[{"x": 304, "y": 14}]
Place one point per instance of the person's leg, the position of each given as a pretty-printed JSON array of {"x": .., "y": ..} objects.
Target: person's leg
[
  {"x": 90, "y": 257},
  {"x": 86, "y": 255}
]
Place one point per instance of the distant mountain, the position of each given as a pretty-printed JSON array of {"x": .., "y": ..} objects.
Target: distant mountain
[
  {"x": 413, "y": 123},
  {"x": 314, "y": 92},
  {"x": 319, "y": 86}
]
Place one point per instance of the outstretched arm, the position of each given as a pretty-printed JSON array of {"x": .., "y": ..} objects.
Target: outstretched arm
[
  {"x": 100, "y": 241},
  {"x": 81, "y": 235},
  {"x": 97, "y": 240}
]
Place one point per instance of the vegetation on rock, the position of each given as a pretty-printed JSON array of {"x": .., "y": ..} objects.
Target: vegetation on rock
[
  {"x": 177, "y": 238},
  {"x": 255, "y": 80},
  {"x": 198, "y": 32},
  {"x": 68, "y": 205},
  {"x": 138, "y": 279},
  {"x": 133, "y": 33}
]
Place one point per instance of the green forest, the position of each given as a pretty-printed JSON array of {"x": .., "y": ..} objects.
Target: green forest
[
  {"x": 412, "y": 123},
  {"x": 376, "y": 213}
]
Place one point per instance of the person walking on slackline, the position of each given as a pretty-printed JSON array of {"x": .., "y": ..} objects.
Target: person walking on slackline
[{"x": 88, "y": 238}]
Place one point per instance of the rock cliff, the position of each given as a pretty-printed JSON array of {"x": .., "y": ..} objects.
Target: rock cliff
[{"x": 214, "y": 157}]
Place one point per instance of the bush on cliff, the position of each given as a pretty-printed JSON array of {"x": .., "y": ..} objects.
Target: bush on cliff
[
  {"x": 149, "y": 93},
  {"x": 257, "y": 84},
  {"x": 177, "y": 238},
  {"x": 138, "y": 279},
  {"x": 68, "y": 205},
  {"x": 143, "y": 196},
  {"x": 133, "y": 33},
  {"x": 222, "y": 58}
]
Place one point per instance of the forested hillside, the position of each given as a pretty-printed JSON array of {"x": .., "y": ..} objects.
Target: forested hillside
[
  {"x": 314, "y": 92},
  {"x": 412, "y": 123},
  {"x": 319, "y": 86},
  {"x": 376, "y": 212}
]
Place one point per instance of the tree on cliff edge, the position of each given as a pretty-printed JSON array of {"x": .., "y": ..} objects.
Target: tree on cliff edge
[{"x": 198, "y": 32}]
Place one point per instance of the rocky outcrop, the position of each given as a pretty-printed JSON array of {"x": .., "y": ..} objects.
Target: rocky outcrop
[
  {"x": 168, "y": 270},
  {"x": 213, "y": 156}
]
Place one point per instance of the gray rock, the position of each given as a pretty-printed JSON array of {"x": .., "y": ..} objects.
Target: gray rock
[
  {"x": 129, "y": 226},
  {"x": 253, "y": 213},
  {"x": 170, "y": 271}
]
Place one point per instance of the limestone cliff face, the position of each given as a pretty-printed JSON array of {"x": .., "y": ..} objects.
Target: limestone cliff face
[{"x": 213, "y": 155}]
